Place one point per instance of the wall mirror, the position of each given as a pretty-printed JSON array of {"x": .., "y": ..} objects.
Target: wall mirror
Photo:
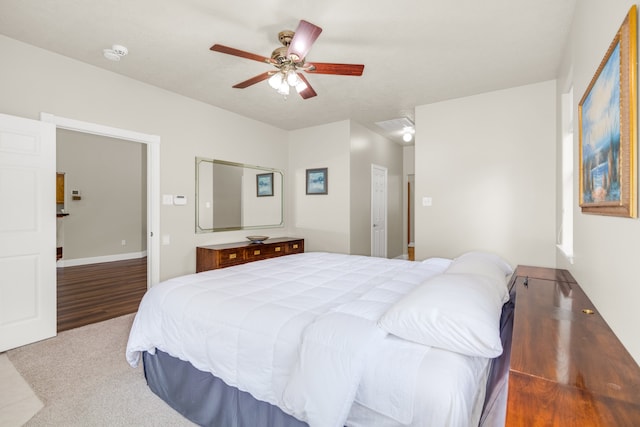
[{"x": 235, "y": 196}]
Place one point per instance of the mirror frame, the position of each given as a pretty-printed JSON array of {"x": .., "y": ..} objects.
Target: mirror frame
[{"x": 242, "y": 165}]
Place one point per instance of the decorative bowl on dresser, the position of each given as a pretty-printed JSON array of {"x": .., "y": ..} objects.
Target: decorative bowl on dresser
[{"x": 212, "y": 257}]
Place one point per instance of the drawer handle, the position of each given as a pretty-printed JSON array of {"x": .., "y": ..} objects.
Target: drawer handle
[
  {"x": 295, "y": 246},
  {"x": 232, "y": 256},
  {"x": 256, "y": 252},
  {"x": 278, "y": 248}
]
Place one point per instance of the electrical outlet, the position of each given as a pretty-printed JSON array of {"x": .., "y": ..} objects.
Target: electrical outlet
[{"x": 124, "y": 243}]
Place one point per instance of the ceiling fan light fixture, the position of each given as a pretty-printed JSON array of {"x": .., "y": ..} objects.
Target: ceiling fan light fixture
[
  {"x": 275, "y": 81},
  {"x": 284, "y": 88},
  {"x": 292, "y": 78},
  {"x": 289, "y": 60}
]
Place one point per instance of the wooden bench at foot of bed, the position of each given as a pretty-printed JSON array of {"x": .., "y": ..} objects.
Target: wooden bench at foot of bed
[{"x": 567, "y": 367}]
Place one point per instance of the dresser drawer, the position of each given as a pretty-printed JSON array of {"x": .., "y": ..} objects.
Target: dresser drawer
[
  {"x": 256, "y": 252},
  {"x": 280, "y": 249},
  {"x": 229, "y": 257},
  {"x": 295, "y": 247}
]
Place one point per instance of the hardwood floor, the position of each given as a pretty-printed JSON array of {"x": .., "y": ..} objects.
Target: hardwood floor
[{"x": 96, "y": 292}]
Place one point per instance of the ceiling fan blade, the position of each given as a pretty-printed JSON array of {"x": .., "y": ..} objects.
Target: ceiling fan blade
[
  {"x": 237, "y": 52},
  {"x": 307, "y": 92},
  {"x": 253, "y": 80},
  {"x": 340, "y": 69},
  {"x": 303, "y": 39}
]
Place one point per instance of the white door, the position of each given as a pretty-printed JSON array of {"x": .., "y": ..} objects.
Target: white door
[
  {"x": 27, "y": 231},
  {"x": 378, "y": 211},
  {"x": 153, "y": 179}
]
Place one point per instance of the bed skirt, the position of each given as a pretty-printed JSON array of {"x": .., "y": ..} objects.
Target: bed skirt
[{"x": 207, "y": 400}]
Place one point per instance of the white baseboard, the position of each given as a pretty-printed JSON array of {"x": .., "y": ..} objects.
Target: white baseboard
[{"x": 99, "y": 259}]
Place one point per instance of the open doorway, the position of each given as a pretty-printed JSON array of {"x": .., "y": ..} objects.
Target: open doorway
[
  {"x": 101, "y": 227},
  {"x": 103, "y": 216},
  {"x": 150, "y": 148}
]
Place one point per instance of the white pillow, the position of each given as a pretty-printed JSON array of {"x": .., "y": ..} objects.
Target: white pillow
[
  {"x": 488, "y": 257},
  {"x": 455, "y": 312},
  {"x": 484, "y": 264}
]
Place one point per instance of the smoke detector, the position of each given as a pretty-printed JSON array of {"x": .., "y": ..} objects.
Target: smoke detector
[{"x": 115, "y": 53}]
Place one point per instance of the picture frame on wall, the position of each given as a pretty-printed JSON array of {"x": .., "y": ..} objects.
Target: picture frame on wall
[
  {"x": 608, "y": 129},
  {"x": 264, "y": 184},
  {"x": 317, "y": 181}
]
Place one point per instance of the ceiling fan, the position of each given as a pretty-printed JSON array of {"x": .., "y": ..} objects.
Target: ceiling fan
[{"x": 289, "y": 60}]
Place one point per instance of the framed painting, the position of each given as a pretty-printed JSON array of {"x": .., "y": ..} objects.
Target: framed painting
[
  {"x": 608, "y": 129},
  {"x": 317, "y": 181},
  {"x": 264, "y": 184}
]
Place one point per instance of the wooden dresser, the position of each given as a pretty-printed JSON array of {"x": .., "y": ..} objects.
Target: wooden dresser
[
  {"x": 567, "y": 367},
  {"x": 225, "y": 255}
]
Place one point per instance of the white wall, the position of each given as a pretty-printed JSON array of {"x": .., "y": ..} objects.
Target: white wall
[
  {"x": 488, "y": 163},
  {"x": 369, "y": 148},
  {"x": 323, "y": 220},
  {"x": 606, "y": 249},
  {"x": 33, "y": 80}
]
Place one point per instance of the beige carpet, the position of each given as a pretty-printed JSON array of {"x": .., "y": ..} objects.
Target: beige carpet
[{"x": 83, "y": 379}]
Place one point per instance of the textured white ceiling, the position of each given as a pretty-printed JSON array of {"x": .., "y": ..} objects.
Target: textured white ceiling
[{"x": 415, "y": 51}]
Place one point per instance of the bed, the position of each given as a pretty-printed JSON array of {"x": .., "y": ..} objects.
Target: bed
[{"x": 324, "y": 339}]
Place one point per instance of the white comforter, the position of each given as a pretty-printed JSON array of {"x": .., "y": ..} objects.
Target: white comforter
[{"x": 299, "y": 332}]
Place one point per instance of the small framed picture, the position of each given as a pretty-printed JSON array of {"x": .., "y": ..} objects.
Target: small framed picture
[
  {"x": 317, "y": 181},
  {"x": 264, "y": 184}
]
